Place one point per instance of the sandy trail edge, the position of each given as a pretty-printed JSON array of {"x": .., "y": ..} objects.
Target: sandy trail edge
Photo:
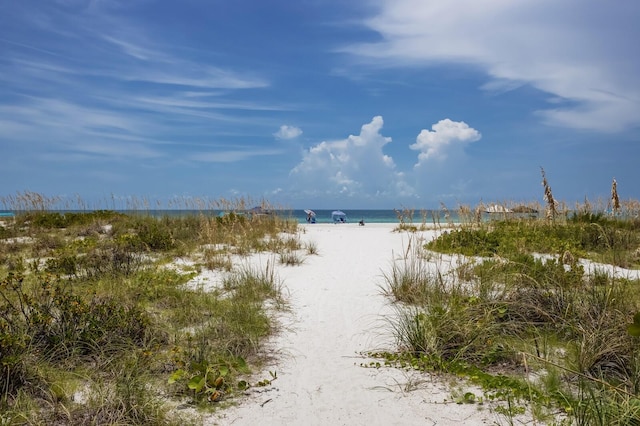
[{"x": 337, "y": 313}]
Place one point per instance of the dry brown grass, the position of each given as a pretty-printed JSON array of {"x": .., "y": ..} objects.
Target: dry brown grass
[
  {"x": 551, "y": 210},
  {"x": 615, "y": 201}
]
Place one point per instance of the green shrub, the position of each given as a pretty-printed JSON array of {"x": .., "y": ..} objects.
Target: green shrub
[
  {"x": 155, "y": 236},
  {"x": 594, "y": 236},
  {"x": 47, "y": 320},
  {"x": 111, "y": 260},
  {"x": 57, "y": 220},
  {"x": 467, "y": 241},
  {"x": 100, "y": 260}
]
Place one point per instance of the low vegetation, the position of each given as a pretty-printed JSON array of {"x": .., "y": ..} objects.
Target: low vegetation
[
  {"x": 538, "y": 312},
  {"x": 101, "y": 321},
  {"x": 100, "y": 325}
]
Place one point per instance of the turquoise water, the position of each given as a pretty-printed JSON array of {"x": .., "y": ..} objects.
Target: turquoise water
[
  {"x": 353, "y": 215},
  {"x": 322, "y": 216},
  {"x": 379, "y": 216}
]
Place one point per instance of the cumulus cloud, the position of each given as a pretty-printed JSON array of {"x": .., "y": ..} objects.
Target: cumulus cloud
[
  {"x": 444, "y": 172},
  {"x": 288, "y": 132},
  {"x": 578, "y": 51},
  {"x": 355, "y": 166},
  {"x": 446, "y": 136}
]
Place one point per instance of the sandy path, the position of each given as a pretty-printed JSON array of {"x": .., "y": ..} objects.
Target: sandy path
[{"x": 336, "y": 314}]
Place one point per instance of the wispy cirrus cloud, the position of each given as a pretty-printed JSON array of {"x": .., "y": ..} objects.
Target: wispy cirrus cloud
[
  {"x": 232, "y": 155},
  {"x": 578, "y": 51},
  {"x": 108, "y": 86}
]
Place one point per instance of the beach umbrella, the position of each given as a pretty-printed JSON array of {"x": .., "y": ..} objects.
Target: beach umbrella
[
  {"x": 310, "y": 213},
  {"x": 338, "y": 216}
]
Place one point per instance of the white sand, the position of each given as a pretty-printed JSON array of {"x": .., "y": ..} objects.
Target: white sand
[{"x": 337, "y": 313}]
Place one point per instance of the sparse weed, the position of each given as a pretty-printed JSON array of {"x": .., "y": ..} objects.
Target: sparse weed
[
  {"x": 312, "y": 248},
  {"x": 290, "y": 258},
  {"x": 214, "y": 259}
]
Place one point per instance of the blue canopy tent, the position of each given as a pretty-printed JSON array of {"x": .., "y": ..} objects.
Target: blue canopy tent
[{"x": 338, "y": 216}]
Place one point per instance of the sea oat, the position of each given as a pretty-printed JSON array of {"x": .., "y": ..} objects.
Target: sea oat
[
  {"x": 615, "y": 201},
  {"x": 548, "y": 197}
]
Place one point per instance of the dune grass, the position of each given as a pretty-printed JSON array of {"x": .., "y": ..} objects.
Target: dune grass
[
  {"x": 514, "y": 311},
  {"x": 95, "y": 328}
]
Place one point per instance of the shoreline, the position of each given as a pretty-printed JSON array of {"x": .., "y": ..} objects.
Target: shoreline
[{"x": 385, "y": 225}]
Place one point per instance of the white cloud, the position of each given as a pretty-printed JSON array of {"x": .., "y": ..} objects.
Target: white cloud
[
  {"x": 355, "y": 166},
  {"x": 288, "y": 132},
  {"x": 447, "y": 136},
  {"x": 580, "y": 51}
]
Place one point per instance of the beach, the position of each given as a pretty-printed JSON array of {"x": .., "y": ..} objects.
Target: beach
[{"x": 337, "y": 314}]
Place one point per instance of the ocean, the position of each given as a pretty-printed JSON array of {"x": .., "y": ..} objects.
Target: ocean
[
  {"x": 381, "y": 216},
  {"x": 322, "y": 216}
]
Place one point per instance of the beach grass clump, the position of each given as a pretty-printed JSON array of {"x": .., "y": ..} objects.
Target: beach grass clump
[
  {"x": 406, "y": 222},
  {"x": 217, "y": 259},
  {"x": 290, "y": 258},
  {"x": 452, "y": 333},
  {"x": 311, "y": 247},
  {"x": 254, "y": 284},
  {"x": 411, "y": 281},
  {"x": 405, "y": 216}
]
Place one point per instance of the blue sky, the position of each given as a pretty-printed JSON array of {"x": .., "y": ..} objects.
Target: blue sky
[{"x": 320, "y": 103}]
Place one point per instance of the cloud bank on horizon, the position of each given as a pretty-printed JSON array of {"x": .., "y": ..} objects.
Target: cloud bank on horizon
[{"x": 456, "y": 101}]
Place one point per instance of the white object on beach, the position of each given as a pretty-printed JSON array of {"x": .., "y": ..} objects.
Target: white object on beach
[{"x": 497, "y": 208}]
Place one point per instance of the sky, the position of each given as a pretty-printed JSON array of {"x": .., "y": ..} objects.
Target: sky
[{"x": 320, "y": 103}]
